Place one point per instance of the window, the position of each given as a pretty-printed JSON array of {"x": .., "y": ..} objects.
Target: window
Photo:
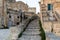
[
  {"x": 9, "y": 16},
  {"x": 17, "y": 23},
  {"x": 17, "y": 16},
  {"x": 49, "y": 6}
]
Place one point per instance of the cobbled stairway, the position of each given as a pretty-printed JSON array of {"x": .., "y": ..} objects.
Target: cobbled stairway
[{"x": 32, "y": 32}]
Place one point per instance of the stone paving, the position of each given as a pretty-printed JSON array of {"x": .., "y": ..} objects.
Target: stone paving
[
  {"x": 4, "y": 33},
  {"x": 16, "y": 30},
  {"x": 32, "y": 32}
]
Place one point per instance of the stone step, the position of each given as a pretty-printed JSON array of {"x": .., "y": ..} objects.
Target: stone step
[
  {"x": 31, "y": 32},
  {"x": 33, "y": 25},
  {"x": 30, "y": 38},
  {"x": 30, "y": 35},
  {"x": 32, "y": 29}
]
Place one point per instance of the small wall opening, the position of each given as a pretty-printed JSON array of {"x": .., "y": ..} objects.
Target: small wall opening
[{"x": 17, "y": 23}]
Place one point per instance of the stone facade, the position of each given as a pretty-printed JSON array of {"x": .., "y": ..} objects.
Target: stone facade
[
  {"x": 49, "y": 15},
  {"x": 56, "y": 28},
  {"x": 28, "y": 11},
  {"x": 32, "y": 9},
  {"x": 29, "y": 14},
  {"x": 13, "y": 18},
  {"x": 18, "y": 5},
  {"x": 3, "y": 13},
  {"x": 11, "y": 1},
  {"x": 9, "y": 17}
]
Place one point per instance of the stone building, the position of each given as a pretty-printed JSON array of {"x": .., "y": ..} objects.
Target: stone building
[
  {"x": 23, "y": 6},
  {"x": 49, "y": 15},
  {"x": 28, "y": 14},
  {"x": 9, "y": 12},
  {"x": 15, "y": 7},
  {"x": 11, "y": 1},
  {"x": 13, "y": 18},
  {"x": 32, "y": 9},
  {"x": 18, "y": 5},
  {"x": 3, "y": 13}
]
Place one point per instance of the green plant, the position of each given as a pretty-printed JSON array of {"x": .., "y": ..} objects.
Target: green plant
[{"x": 42, "y": 34}]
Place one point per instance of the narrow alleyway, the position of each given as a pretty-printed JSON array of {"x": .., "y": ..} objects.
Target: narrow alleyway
[{"x": 32, "y": 31}]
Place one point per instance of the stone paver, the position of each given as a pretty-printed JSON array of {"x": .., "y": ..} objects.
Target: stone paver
[
  {"x": 4, "y": 33},
  {"x": 14, "y": 31}
]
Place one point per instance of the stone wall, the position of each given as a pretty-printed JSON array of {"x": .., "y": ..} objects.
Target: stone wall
[
  {"x": 32, "y": 9},
  {"x": 47, "y": 26},
  {"x": 3, "y": 12},
  {"x": 18, "y": 5},
  {"x": 56, "y": 29}
]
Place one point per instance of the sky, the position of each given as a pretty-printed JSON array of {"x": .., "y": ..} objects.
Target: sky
[{"x": 32, "y": 3}]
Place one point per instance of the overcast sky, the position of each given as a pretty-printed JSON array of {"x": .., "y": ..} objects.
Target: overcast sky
[{"x": 32, "y": 3}]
